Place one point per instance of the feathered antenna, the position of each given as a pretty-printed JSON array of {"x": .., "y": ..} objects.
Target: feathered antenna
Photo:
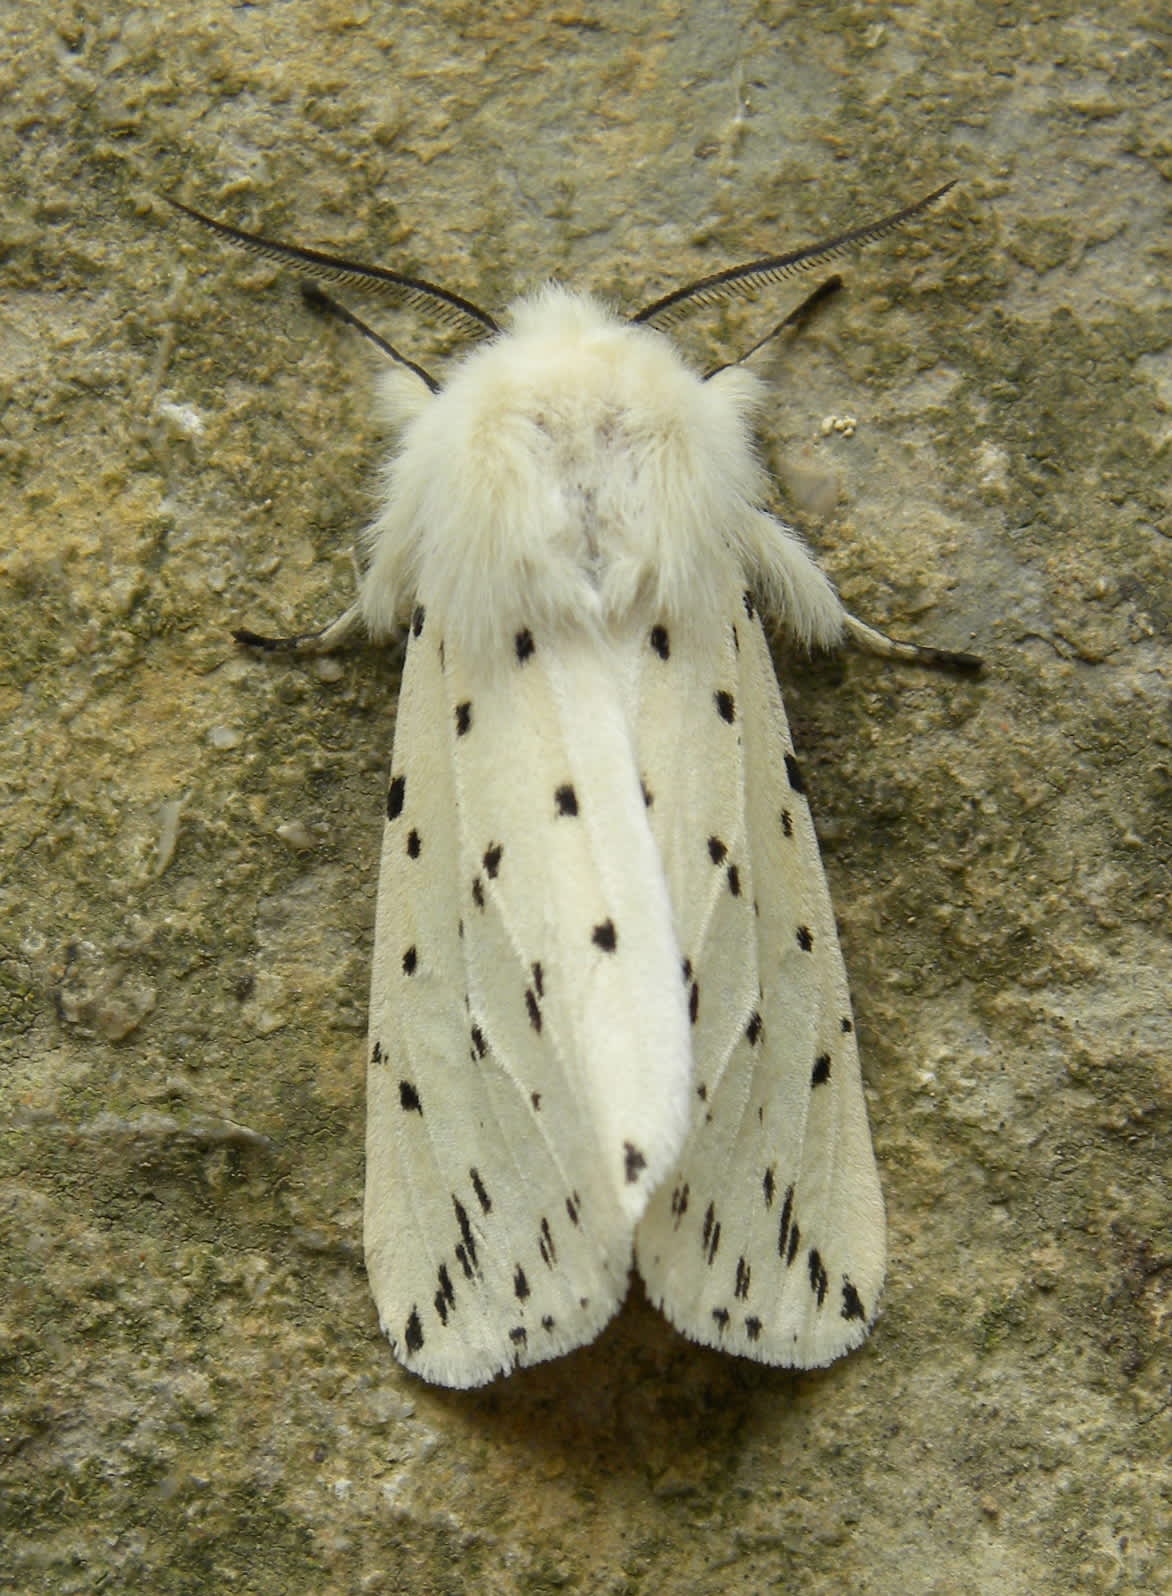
[
  {"x": 396, "y": 287},
  {"x": 713, "y": 290}
]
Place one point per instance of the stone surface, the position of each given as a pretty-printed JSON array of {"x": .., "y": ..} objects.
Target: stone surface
[{"x": 195, "y": 1394}]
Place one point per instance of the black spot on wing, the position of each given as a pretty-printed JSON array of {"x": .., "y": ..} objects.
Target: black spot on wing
[
  {"x": 396, "y": 793},
  {"x": 754, "y": 1028},
  {"x": 413, "y": 1331},
  {"x": 820, "y": 1074},
  {"x": 492, "y": 860},
  {"x": 747, "y": 601},
  {"x": 565, "y": 800},
  {"x": 479, "y": 1042},
  {"x": 409, "y": 1100},
  {"x": 769, "y": 1186},
  {"x": 744, "y": 1275},
  {"x": 734, "y": 881},
  {"x": 467, "y": 1239},
  {"x": 538, "y": 979},
  {"x": 523, "y": 646},
  {"x": 660, "y": 641},
  {"x": 520, "y": 1284},
  {"x": 726, "y": 706},
  {"x": 846, "y": 1025},
  {"x": 852, "y": 1303},
  {"x": 794, "y": 774},
  {"x": 648, "y": 795},
  {"x": 805, "y": 938},
  {"x": 634, "y": 1162},
  {"x": 417, "y": 619},
  {"x": 720, "y": 1316},
  {"x": 752, "y": 1327},
  {"x": 679, "y": 1203},
  {"x": 545, "y": 1245},
  {"x": 414, "y": 844},
  {"x": 480, "y": 1189},
  {"x": 784, "y": 1220},
  {"x": 376, "y": 1053},
  {"x": 787, "y": 823},
  {"x": 605, "y": 936},
  {"x": 445, "y": 1296},
  {"x": 818, "y": 1280},
  {"x": 717, "y": 850},
  {"x": 410, "y": 961},
  {"x": 574, "y": 1208},
  {"x": 533, "y": 1009},
  {"x": 710, "y": 1234},
  {"x": 478, "y": 892},
  {"x": 464, "y": 718}
]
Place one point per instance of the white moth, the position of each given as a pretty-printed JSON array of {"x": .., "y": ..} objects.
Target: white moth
[{"x": 609, "y": 1018}]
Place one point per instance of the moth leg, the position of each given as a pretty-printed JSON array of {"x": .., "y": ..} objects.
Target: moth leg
[
  {"x": 321, "y": 302},
  {"x": 869, "y": 641},
  {"x": 796, "y": 318},
  {"x": 326, "y": 640}
]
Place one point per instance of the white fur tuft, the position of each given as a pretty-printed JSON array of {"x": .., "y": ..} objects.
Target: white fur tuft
[{"x": 571, "y": 468}]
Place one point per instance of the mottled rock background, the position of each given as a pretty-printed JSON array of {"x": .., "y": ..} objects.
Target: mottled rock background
[{"x": 195, "y": 1394}]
